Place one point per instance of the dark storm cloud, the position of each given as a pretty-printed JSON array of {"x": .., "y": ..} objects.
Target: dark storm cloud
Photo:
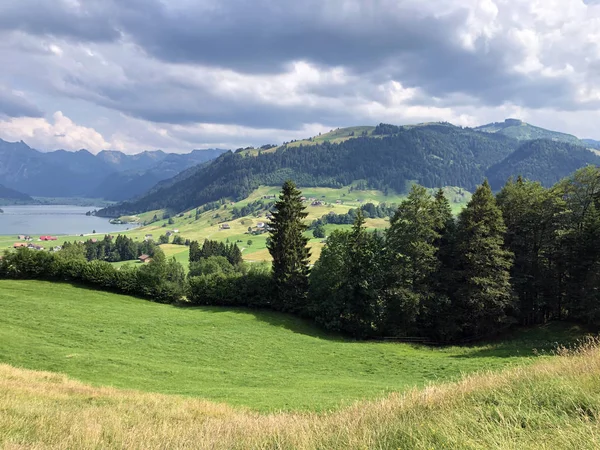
[
  {"x": 93, "y": 20},
  {"x": 13, "y": 105},
  {"x": 374, "y": 42}
]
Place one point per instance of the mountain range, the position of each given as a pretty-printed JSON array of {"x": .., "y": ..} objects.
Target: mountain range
[
  {"x": 109, "y": 175},
  {"x": 383, "y": 157}
]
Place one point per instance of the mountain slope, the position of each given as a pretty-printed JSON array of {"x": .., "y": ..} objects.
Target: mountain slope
[
  {"x": 433, "y": 155},
  {"x": 541, "y": 160},
  {"x": 140, "y": 161},
  {"x": 523, "y": 131},
  {"x": 11, "y": 194},
  {"x": 127, "y": 184}
]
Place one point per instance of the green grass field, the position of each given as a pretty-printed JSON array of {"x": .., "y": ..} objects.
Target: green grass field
[{"x": 262, "y": 360}]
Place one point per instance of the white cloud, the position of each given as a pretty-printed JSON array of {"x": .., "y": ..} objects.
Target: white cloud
[{"x": 60, "y": 132}]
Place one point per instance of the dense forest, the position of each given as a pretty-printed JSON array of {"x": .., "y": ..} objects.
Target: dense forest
[
  {"x": 528, "y": 255},
  {"x": 433, "y": 155}
]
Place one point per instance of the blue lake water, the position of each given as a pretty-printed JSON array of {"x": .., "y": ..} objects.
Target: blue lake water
[{"x": 54, "y": 219}]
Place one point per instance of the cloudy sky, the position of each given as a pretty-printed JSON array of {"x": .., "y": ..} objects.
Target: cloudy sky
[{"x": 135, "y": 75}]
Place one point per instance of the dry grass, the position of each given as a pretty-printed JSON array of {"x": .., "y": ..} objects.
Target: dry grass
[{"x": 552, "y": 404}]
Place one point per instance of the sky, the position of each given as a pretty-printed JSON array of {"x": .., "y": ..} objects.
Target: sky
[{"x": 177, "y": 75}]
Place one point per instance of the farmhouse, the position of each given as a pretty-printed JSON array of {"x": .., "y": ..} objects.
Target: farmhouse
[
  {"x": 145, "y": 258},
  {"x": 21, "y": 237},
  {"x": 47, "y": 238},
  {"x": 225, "y": 226},
  {"x": 317, "y": 203},
  {"x": 148, "y": 237},
  {"x": 19, "y": 244}
]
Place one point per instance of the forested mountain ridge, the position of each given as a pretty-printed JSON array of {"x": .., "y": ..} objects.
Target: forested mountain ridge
[
  {"x": 110, "y": 175},
  {"x": 433, "y": 155},
  {"x": 385, "y": 157},
  {"x": 541, "y": 160}
]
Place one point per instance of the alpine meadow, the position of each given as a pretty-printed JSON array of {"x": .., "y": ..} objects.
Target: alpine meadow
[{"x": 299, "y": 225}]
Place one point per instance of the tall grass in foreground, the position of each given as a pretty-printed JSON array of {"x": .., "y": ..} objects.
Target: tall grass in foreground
[{"x": 551, "y": 404}]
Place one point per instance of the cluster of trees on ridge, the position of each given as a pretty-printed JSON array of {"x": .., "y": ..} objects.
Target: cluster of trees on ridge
[
  {"x": 528, "y": 255},
  {"x": 433, "y": 155}
]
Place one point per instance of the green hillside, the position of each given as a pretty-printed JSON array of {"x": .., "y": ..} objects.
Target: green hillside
[
  {"x": 523, "y": 131},
  {"x": 264, "y": 360},
  {"x": 433, "y": 155},
  {"x": 549, "y": 161}
]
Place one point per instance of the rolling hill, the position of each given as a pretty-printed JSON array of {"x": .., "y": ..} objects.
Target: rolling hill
[
  {"x": 523, "y": 131},
  {"x": 386, "y": 157},
  {"x": 282, "y": 385}
]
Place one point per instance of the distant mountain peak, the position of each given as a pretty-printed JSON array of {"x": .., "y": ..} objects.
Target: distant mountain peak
[{"x": 523, "y": 131}]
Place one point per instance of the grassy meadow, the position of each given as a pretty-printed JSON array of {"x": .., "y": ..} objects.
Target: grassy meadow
[
  {"x": 262, "y": 360},
  {"x": 551, "y": 404}
]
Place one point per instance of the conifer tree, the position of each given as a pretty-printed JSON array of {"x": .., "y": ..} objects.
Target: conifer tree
[
  {"x": 483, "y": 294},
  {"x": 411, "y": 243},
  {"x": 288, "y": 248}
]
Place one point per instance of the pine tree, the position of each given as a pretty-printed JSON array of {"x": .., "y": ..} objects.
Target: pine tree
[
  {"x": 411, "y": 243},
  {"x": 483, "y": 296},
  {"x": 288, "y": 248}
]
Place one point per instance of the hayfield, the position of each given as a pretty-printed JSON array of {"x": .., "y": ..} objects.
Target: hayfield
[{"x": 262, "y": 360}]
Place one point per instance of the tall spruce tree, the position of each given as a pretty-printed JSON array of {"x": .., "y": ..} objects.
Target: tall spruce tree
[
  {"x": 437, "y": 320},
  {"x": 411, "y": 244},
  {"x": 288, "y": 248},
  {"x": 483, "y": 296}
]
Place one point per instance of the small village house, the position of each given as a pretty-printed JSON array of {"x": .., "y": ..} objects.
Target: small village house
[
  {"x": 19, "y": 244},
  {"x": 145, "y": 258},
  {"x": 225, "y": 226}
]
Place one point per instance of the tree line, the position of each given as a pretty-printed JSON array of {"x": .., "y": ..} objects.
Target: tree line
[{"x": 527, "y": 255}]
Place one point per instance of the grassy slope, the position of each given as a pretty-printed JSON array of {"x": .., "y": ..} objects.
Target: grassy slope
[
  {"x": 263, "y": 360},
  {"x": 552, "y": 404},
  {"x": 525, "y": 131}
]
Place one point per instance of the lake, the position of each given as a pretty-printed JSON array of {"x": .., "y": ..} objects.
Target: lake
[{"x": 54, "y": 219}]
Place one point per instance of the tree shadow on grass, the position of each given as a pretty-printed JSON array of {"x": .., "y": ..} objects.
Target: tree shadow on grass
[
  {"x": 275, "y": 319},
  {"x": 519, "y": 342},
  {"x": 531, "y": 341}
]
